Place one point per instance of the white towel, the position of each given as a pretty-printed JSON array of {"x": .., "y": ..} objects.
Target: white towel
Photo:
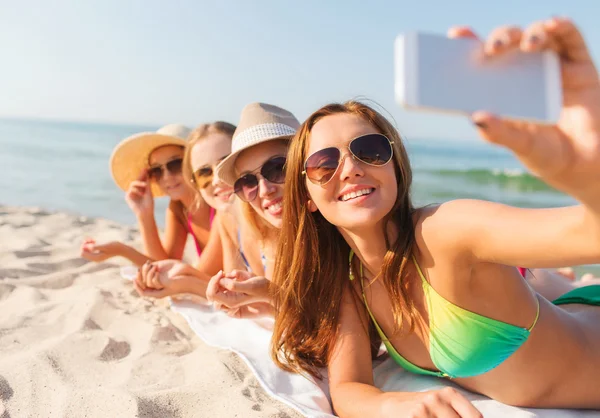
[{"x": 250, "y": 340}]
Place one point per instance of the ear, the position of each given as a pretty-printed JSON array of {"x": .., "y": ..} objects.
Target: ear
[{"x": 311, "y": 206}]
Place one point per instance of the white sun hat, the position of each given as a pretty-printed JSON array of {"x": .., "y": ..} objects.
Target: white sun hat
[{"x": 259, "y": 123}]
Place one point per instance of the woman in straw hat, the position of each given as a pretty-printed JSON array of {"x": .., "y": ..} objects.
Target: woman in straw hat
[
  {"x": 255, "y": 169},
  {"x": 363, "y": 266},
  {"x": 148, "y": 165}
]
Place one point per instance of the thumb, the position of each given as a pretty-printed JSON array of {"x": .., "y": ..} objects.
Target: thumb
[{"x": 537, "y": 146}]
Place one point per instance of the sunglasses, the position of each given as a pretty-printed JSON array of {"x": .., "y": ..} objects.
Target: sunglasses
[
  {"x": 203, "y": 176},
  {"x": 246, "y": 187},
  {"x": 372, "y": 149},
  {"x": 156, "y": 172}
]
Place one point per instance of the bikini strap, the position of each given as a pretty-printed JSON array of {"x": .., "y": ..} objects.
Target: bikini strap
[
  {"x": 414, "y": 259},
  {"x": 537, "y": 315}
]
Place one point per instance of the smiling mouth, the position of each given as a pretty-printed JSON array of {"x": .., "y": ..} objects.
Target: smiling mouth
[
  {"x": 275, "y": 207},
  {"x": 353, "y": 195},
  {"x": 173, "y": 187},
  {"x": 225, "y": 195}
]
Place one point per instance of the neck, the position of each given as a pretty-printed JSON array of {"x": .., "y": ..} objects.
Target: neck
[
  {"x": 369, "y": 245},
  {"x": 187, "y": 200}
]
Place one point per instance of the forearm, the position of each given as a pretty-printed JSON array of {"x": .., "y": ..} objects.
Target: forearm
[
  {"x": 133, "y": 255},
  {"x": 194, "y": 285},
  {"x": 354, "y": 399},
  {"x": 151, "y": 239}
]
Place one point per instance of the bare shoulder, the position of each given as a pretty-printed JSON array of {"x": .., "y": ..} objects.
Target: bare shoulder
[{"x": 444, "y": 227}]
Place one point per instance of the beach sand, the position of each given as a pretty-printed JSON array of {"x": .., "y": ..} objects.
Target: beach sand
[{"x": 77, "y": 341}]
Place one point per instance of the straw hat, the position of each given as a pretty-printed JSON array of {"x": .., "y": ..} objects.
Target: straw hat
[
  {"x": 131, "y": 155},
  {"x": 259, "y": 123}
]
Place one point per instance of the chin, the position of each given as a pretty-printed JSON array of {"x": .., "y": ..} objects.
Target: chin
[
  {"x": 358, "y": 219},
  {"x": 276, "y": 222}
]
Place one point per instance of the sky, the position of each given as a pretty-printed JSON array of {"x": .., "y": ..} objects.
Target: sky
[{"x": 155, "y": 62}]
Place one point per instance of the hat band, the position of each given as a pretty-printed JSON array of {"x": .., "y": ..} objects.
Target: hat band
[{"x": 260, "y": 133}]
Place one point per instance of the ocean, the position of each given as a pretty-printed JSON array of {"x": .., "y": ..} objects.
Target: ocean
[{"x": 64, "y": 166}]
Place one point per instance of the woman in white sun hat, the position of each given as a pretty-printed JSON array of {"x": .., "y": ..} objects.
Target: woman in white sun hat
[
  {"x": 255, "y": 169},
  {"x": 148, "y": 165}
]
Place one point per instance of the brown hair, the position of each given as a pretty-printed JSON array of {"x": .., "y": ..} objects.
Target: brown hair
[
  {"x": 198, "y": 134},
  {"x": 312, "y": 269}
]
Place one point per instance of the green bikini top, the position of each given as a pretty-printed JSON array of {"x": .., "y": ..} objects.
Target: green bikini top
[{"x": 461, "y": 343}]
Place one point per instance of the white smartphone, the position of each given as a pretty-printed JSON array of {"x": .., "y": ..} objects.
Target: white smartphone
[{"x": 433, "y": 72}]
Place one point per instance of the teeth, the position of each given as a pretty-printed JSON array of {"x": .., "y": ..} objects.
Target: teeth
[
  {"x": 275, "y": 207},
  {"x": 356, "y": 194}
]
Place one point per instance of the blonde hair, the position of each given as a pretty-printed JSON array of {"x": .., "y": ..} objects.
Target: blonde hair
[{"x": 200, "y": 133}]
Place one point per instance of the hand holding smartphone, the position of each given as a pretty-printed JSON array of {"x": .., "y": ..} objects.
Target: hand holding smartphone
[{"x": 434, "y": 72}]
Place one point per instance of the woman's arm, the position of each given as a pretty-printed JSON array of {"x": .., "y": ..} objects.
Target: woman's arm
[
  {"x": 102, "y": 252},
  {"x": 175, "y": 235},
  {"x": 480, "y": 231},
  {"x": 565, "y": 155}
]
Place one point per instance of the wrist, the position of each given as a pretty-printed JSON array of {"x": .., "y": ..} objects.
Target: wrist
[
  {"x": 190, "y": 284},
  {"x": 146, "y": 218}
]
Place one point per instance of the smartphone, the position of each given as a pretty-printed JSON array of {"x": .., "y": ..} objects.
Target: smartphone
[{"x": 433, "y": 72}]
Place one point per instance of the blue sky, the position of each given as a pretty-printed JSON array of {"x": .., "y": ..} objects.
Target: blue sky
[{"x": 156, "y": 62}]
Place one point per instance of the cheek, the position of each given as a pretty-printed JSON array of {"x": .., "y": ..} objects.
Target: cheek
[
  {"x": 205, "y": 193},
  {"x": 256, "y": 205},
  {"x": 319, "y": 196}
]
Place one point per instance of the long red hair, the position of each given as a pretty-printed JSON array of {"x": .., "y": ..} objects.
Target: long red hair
[{"x": 312, "y": 269}]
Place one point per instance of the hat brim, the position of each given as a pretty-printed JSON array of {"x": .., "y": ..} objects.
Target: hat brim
[
  {"x": 226, "y": 168},
  {"x": 130, "y": 157}
]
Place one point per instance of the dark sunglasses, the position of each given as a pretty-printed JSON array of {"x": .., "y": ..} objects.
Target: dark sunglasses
[
  {"x": 156, "y": 172},
  {"x": 273, "y": 170},
  {"x": 372, "y": 149}
]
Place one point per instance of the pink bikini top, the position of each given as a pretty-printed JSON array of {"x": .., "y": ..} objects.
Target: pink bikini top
[{"x": 211, "y": 216}]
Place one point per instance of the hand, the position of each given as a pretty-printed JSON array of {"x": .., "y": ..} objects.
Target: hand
[
  {"x": 444, "y": 403},
  {"x": 139, "y": 196},
  {"x": 253, "y": 310},
  {"x": 236, "y": 289},
  {"x": 99, "y": 252},
  {"x": 162, "y": 278},
  {"x": 566, "y": 155}
]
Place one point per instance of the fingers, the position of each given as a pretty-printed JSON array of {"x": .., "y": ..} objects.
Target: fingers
[
  {"x": 537, "y": 146},
  {"x": 239, "y": 275},
  {"x": 143, "y": 176},
  {"x": 149, "y": 273},
  {"x": 558, "y": 34},
  {"x": 463, "y": 407},
  {"x": 154, "y": 276},
  {"x": 502, "y": 39},
  {"x": 461, "y": 32},
  {"x": 213, "y": 287},
  {"x": 139, "y": 281},
  {"x": 569, "y": 41},
  {"x": 150, "y": 293}
]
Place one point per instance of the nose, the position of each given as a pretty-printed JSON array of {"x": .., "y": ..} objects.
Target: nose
[
  {"x": 215, "y": 178},
  {"x": 350, "y": 168},
  {"x": 265, "y": 188}
]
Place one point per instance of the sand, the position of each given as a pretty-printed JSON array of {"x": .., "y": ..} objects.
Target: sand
[{"x": 77, "y": 341}]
